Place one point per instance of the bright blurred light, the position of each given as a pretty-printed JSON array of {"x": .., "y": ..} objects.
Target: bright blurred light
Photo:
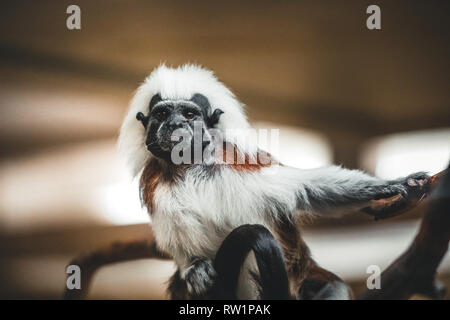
[
  {"x": 298, "y": 148},
  {"x": 401, "y": 154},
  {"x": 120, "y": 204},
  {"x": 75, "y": 185}
]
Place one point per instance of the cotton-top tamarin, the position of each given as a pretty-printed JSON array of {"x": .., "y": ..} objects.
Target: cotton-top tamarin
[{"x": 195, "y": 205}]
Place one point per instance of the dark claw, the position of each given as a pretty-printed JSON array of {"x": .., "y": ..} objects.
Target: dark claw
[{"x": 416, "y": 184}]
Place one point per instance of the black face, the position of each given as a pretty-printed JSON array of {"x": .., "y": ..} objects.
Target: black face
[{"x": 166, "y": 116}]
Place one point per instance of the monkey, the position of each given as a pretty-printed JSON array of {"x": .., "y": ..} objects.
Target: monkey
[{"x": 242, "y": 210}]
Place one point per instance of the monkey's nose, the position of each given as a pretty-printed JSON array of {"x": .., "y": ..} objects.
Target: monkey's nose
[{"x": 175, "y": 125}]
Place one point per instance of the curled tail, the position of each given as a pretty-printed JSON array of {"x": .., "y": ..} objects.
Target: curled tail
[{"x": 230, "y": 263}]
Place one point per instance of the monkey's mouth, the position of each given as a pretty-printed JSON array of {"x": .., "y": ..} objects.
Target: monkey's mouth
[
  {"x": 157, "y": 150},
  {"x": 164, "y": 152}
]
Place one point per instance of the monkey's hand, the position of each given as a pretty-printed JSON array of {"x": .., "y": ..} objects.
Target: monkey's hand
[
  {"x": 399, "y": 195},
  {"x": 199, "y": 277}
]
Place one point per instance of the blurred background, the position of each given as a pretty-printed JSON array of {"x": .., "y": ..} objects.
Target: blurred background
[{"x": 377, "y": 100}]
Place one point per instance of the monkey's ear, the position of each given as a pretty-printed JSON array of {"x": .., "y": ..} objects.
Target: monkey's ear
[
  {"x": 142, "y": 118},
  {"x": 214, "y": 118}
]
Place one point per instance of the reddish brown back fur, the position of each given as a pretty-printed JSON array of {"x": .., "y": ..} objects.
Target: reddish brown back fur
[{"x": 239, "y": 161}]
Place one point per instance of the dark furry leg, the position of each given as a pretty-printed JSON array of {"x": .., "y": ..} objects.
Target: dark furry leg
[{"x": 195, "y": 282}]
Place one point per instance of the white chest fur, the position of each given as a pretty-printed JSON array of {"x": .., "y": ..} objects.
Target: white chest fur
[{"x": 191, "y": 218}]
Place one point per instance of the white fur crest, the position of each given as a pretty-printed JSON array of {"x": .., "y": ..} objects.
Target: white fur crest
[{"x": 176, "y": 84}]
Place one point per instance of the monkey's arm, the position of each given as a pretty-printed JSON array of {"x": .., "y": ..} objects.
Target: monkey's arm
[{"x": 337, "y": 190}]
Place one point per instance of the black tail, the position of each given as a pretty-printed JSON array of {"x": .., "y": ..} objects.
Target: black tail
[{"x": 269, "y": 258}]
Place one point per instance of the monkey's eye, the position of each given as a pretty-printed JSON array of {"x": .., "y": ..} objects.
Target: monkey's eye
[
  {"x": 189, "y": 115},
  {"x": 160, "y": 115}
]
